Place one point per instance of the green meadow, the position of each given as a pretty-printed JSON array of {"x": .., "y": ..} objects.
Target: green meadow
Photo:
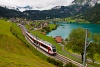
[
  {"x": 52, "y": 26},
  {"x": 15, "y": 51}
]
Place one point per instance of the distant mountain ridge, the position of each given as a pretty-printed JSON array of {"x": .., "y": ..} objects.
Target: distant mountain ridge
[
  {"x": 85, "y": 11},
  {"x": 75, "y": 2},
  {"x": 24, "y": 8},
  {"x": 19, "y": 8},
  {"x": 85, "y": 2}
]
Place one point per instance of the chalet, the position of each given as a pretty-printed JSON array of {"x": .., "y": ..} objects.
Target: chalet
[{"x": 58, "y": 39}]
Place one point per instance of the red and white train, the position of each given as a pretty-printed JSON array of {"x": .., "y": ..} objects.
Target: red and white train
[
  {"x": 51, "y": 49},
  {"x": 44, "y": 45}
]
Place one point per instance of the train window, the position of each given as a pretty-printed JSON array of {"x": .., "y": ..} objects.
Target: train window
[
  {"x": 44, "y": 46},
  {"x": 54, "y": 50},
  {"x": 34, "y": 41}
]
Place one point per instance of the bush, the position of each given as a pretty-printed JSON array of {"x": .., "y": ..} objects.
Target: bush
[
  {"x": 55, "y": 62},
  {"x": 70, "y": 65},
  {"x": 47, "y": 29},
  {"x": 66, "y": 39}
]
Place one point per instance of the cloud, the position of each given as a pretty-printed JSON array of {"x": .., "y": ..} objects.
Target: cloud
[{"x": 43, "y": 4}]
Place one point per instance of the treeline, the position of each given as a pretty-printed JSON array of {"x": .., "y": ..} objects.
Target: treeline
[{"x": 9, "y": 13}]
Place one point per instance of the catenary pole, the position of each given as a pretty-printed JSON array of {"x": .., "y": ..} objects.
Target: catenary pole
[{"x": 84, "y": 58}]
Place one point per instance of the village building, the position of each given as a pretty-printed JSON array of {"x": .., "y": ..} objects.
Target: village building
[{"x": 58, "y": 39}]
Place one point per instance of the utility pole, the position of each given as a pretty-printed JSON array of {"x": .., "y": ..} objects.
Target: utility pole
[{"x": 84, "y": 58}]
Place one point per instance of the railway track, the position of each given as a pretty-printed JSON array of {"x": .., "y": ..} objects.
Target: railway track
[
  {"x": 66, "y": 60},
  {"x": 61, "y": 58},
  {"x": 57, "y": 56}
]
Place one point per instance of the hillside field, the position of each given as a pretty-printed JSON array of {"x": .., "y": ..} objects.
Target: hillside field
[{"x": 16, "y": 51}]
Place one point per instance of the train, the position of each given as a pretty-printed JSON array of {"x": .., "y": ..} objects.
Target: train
[{"x": 39, "y": 43}]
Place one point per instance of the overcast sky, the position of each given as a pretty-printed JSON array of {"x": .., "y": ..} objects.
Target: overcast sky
[{"x": 41, "y": 4}]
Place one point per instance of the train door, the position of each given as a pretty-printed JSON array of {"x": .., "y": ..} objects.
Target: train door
[
  {"x": 49, "y": 49},
  {"x": 35, "y": 42},
  {"x": 38, "y": 43}
]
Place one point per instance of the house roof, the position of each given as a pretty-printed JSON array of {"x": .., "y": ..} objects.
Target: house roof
[{"x": 58, "y": 39}]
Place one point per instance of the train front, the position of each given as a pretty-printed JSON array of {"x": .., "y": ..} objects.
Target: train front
[{"x": 54, "y": 50}]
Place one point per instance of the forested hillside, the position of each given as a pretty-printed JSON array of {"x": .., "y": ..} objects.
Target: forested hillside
[
  {"x": 87, "y": 12},
  {"x": 93, "y": 15},
  {"x": 9, "y": 13}
]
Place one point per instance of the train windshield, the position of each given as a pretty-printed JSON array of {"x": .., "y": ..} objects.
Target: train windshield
[{"x": 54, "y": 49}]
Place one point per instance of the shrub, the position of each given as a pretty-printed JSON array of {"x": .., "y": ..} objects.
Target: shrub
[
  {"x": 70, "y": 65},
  {"x": 66, "y": 39},
  {"x": 47, "y": 29},
  {"x": 55, "y": 62}
]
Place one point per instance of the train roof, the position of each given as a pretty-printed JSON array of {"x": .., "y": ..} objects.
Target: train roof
[
  {"x": 40, "y": 40},
  {"x": 48, "y": 43}
]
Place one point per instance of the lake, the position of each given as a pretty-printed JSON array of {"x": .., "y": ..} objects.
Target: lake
[{"x": 65, "y": 28}]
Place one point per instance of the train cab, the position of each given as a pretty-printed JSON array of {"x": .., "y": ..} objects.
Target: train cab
[{"x": 54, "y": 50}]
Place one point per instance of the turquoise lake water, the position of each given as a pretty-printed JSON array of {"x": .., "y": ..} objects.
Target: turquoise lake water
[{"x": 65, "y": 28}]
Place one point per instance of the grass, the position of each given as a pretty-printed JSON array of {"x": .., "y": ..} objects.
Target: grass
[
  {"x": 94, "y": 64},
  {"x": 52, "y": 26},
  {"x": 29, "y": 26},
  {"x": 97, "y": 57},
  {"x": 17, "y": 52}
]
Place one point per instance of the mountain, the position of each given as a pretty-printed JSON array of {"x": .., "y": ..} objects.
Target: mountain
[
  {"x": 19, "y": 8},
  {"x": 85, "y": 2},
  {"x": 56, "y": 7},
  {"x": 79, "y": 9},
  {"x": 24, "y": 8},
  {"x": 61, "y": 12},
  {"x": 8, "y": 13},
  {"x": 89, "y": 10},
  {"x": 93, "y": 14}
]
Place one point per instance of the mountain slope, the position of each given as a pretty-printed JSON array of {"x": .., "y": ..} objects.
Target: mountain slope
[
  {"x": 87, "y": 12},
  {"x": 93, "y": 15},
  {"x": 15, "y": 51},
  {"x": 9, "y": 13},
  {"x": 52, "y": 13},
  {"x": 86, "y": 2}
]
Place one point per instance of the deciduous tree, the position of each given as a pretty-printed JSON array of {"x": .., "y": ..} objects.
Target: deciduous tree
[{"x": 77, "y": 40}]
